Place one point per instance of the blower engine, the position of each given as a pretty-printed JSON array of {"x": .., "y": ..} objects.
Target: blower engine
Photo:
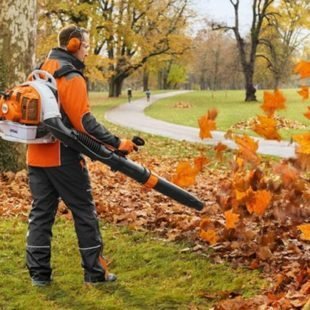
[
  {"x": 24, "y": 108},
  {"x": 29, "y": 113}
]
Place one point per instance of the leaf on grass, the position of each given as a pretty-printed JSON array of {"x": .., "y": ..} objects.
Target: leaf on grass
[
  {"x": 267, "y": 128},
  {"x": 307, "y": 114},
  {"x": 231, "y": 219},
  {"x": 209, "y": 235},
  {"x": 258, "y": 201},
  {"x": 305, "y": 229},
  {"x": 207, "y": 124},
  {"x": 303, "y": 69},
  {"x": 247, "y": 148},
  {"x": 304, "y": 92},
  {"x": 273, "y": 101},
  {"x": 185, "y": 174}
]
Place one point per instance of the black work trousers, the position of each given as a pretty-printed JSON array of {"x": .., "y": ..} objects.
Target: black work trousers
[{"x": 71, "y": 184}]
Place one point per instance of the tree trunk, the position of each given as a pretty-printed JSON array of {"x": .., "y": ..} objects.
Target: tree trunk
[
  {"x": 17, "y": 40},
  {"x": 163, "y": 79},
  {"x": 18, "y": 26},
  {"x": 115, "y": 86},
  {"x": 250, "y": 90},
  {"x": 250, "y": 93},
  {"x": 146, "y": 76}
]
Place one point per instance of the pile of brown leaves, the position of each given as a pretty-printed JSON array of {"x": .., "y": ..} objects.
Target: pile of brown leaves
[{"x": 281, "y": 121}]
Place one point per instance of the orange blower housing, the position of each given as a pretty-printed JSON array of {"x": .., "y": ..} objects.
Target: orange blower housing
[{"x": 21, "y": 105}]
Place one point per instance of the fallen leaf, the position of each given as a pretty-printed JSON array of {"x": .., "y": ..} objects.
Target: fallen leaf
[
  {"x": 305, "y": 229},
  {"x": 199, "y": 162},
  {"x": 288, "y": 173},
  {"x": 204, "y": 223},
  {"x": 258, "y": 201},
  {"x": 231, "y": 219},
  {"x": 209, "y": 235}
]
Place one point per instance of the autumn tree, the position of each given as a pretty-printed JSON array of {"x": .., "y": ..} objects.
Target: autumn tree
[
  {"x": 135, "y": 31},
  {"x": 17, "y": 42},
  {"x": 126, "y": 32},
  {"x": 282, "y": 36},
  {"x": 213, "y": 59},
  {"x": 247, "y": 50}
]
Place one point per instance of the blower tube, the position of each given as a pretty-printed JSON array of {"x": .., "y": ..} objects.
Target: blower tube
[{"x": 96, "y": 151}]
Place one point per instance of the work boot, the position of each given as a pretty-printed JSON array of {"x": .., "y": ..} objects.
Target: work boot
[
  {"x": 40, "y": 283},
  {"x": 111, "y": 277}
]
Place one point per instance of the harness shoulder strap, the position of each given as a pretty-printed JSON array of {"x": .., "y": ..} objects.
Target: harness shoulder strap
[{"x": 65, "y": 70}]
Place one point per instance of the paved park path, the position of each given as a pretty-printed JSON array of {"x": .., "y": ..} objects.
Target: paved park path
[{"x": 131, "y": 115}]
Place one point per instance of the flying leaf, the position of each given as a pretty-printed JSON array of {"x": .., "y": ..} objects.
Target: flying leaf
[
  {"x": 209, "y": 235},
  {"x": 228, "y": 134},
  {"x": 288, "y": 173},
  {"x": 273, "y": 101},
  {"x": 241, "y": 182},
  {"x": 185, "y": 174},
  {"x": 307, "y": 114},
  {"x": 267, "y": 128},
  {"x": 231, "y": 219},
  {"x": 199, "y": 162},
  {"x": 207, "y": 123},
  {"x": 212, "y": 114},
  {"x": 304, "y": 92},
  {"x": 220, "y": 148},
  {"x": 303, "y": 141},
  {"x": 247, "y": 148},
  {"x": 258, "y": 201},
  {"x": 305, "y": 229},
  {"x": 303, "y": 69}
]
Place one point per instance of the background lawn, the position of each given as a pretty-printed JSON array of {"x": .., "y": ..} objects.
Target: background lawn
[{"x": 231, "y": 107}]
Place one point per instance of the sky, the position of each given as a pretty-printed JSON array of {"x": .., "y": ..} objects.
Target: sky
[{"x": 223, "y": 11}]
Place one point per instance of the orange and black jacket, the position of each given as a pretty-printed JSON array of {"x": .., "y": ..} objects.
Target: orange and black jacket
[{"x": 75, "y": 110}]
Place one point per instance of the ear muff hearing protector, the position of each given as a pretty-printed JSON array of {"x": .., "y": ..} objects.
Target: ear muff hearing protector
[{"x": 74, "y": 43}]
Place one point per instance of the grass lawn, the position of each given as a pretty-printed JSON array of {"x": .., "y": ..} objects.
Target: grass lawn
[
  {"x": 153, "y": 274},
  {"x": 231, "y": 107}
]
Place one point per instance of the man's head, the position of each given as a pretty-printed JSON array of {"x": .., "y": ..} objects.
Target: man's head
[{"x": 75, "y": 40}]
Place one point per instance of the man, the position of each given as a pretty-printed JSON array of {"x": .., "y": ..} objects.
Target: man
[
  {"x": 148, "y": 95},
  {"x": 129, "y": 94},
  {"x": 56, "y": 171}
]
